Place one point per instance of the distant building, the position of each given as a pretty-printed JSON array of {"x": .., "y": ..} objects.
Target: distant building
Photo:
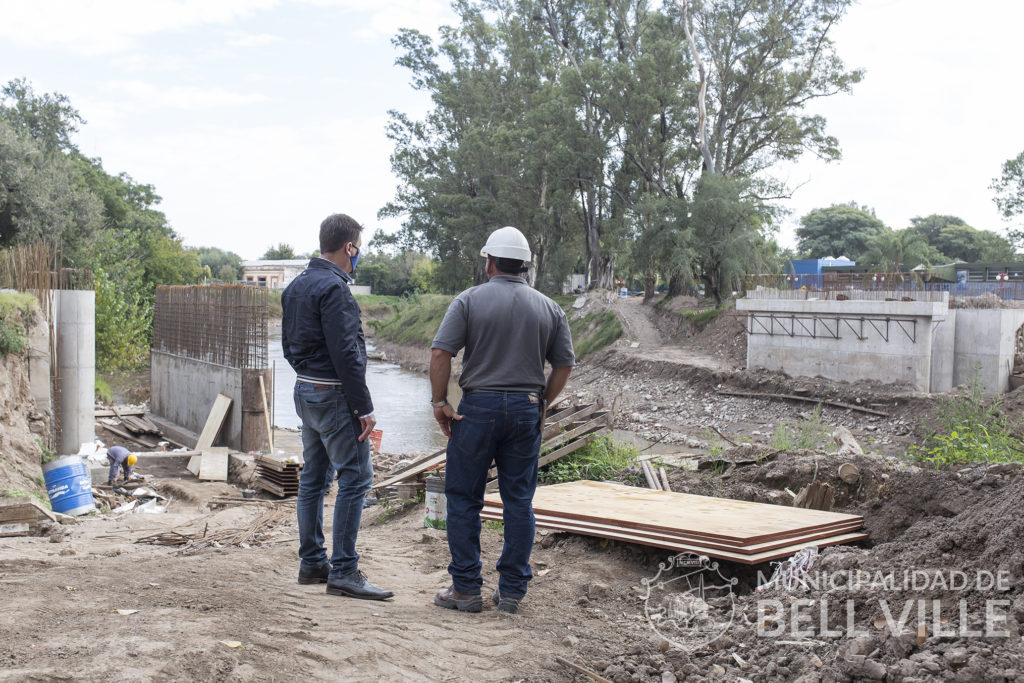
[
  {"x": 278, "y": 274},
  {"x": 816, "y": 266},
  {"x": 272, "y": 274}
]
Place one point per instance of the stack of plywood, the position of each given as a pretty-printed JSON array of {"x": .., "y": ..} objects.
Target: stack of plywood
[
  {"x": 277, "y": 476},
  {"x": 567, "y": 428},
  {"x": 22, "y": 516},
  {"x": 735, "y": 530}
]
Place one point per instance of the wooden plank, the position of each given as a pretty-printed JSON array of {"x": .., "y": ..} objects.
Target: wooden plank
[
  {"x": 779, "y": 553},
  {"x": 117, "y": 413},
  {"x": 193, "y": 464},
  {"x": 271, "y": 487},
  {"x": 417, "y": 467},
  {"x": 213, "y": 465},
  {"x": 24, "y": 507},
  {"x": 591, "y": 425},
  {"x": 560, "y": 453},
  {"x": 597, "y": 529},
  {"x": 721, "y": 519},
  {"x": 804, "y": 399},
  {"x": 275, "y": 462},
  {"x": 131, "y": 437},
  {"x": 15, "y": 529},
  {"x": 556, "y": 423},
  {"x": 214, "y": 422}
]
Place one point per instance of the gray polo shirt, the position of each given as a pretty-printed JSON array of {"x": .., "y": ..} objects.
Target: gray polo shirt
[{"x": 508, "y": 329}]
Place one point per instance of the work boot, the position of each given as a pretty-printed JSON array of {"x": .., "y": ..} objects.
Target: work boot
[
  {"x": 450, "y": 598},
  {"x": 505, "y": 604},
  {"x": 314, "y": 575},
  {"x": 355, "y": 585}
]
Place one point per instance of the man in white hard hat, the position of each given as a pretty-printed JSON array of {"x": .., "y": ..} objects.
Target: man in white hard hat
[{"x": 508, "y": 330}]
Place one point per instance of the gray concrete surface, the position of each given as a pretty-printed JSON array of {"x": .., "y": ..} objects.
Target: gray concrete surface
[
  {"x": 76, "y": 332},
  {"x": 182, "y": 390}
]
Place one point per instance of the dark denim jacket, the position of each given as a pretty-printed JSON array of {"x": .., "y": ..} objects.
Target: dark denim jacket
[{"x": 321, "y": 334}]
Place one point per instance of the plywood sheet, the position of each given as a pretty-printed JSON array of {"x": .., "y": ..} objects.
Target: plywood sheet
[
  {"x": 550, "y": 522},
  {"x": 214, "y": 422},
  {"x": 193, "y": 464},
  {"x": 214, "y": 465},
  {"x": 779, "y": 553},
  {"x": 720, "y": 519}
]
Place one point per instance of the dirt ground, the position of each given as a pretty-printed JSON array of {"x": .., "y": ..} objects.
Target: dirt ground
[{"x": 590, "y": 601}]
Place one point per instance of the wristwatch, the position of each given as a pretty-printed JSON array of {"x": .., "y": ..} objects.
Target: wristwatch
[{"x": 439, "y": 404}]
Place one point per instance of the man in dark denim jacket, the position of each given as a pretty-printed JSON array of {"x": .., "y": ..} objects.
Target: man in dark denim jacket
[{"x": 322, "y": 339}]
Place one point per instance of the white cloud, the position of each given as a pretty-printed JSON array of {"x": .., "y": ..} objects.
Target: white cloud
[
  {"x": 254, "y": 40},
  {"x": 109, "y": 26},
  {"x": 247, "y": 188}
]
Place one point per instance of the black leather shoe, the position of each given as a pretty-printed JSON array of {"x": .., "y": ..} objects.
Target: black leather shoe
[
  {"x": 355, "y": 585},
  {"x": 314, "y": 575}
]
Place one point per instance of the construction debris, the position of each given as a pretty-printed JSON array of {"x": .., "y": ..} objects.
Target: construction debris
[
  {"x": 567, "y": 428},
  {"x": 740, "y": 531},
  {"x": 277, "y": 475},
  {"x": 254, "y": 534},
  {"x": 816, "y": 496},
  {"x": 23, "y": 517}
]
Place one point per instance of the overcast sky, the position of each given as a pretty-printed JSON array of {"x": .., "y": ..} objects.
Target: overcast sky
[{"x": 254, "y": 119}]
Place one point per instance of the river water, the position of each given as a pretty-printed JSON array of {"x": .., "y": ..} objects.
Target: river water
[{"x": 400, "y": 401}]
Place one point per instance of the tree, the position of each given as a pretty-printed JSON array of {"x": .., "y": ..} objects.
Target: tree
[
  {"x": 226, "y": 266},
  {"x": 891, "y": 250},
  {"x": 49, "y": 119},
  {"x": 41, "y": 195},
  {"x": 758, "y": 65},
  {"x": 726, "y": 223},
  {"x": 282, "y": 252},
  {"x": 1009, "y": 187},
  {"x": 839, "y": 230}
]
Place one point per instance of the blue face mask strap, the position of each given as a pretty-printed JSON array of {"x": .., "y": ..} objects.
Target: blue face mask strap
[{"x": 354, "y": 260}]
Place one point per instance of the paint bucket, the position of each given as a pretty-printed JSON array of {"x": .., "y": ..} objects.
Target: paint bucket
[
  {"x": 69, "y": 486},
  {"x": 436, "y": 504},
  {"x": 375, "y": 437}
]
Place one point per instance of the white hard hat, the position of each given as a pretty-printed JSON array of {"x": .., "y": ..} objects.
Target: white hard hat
[{"x": 507, "y": 242}]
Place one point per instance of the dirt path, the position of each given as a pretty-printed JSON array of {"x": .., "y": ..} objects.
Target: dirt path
[
  {"x": 637, "y": 322},
  {"x": 60, "y": 622}
]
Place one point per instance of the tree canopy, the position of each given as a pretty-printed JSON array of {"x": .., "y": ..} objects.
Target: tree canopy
[
  {"x": 1009, "y": 187},
  {"x": 838, "y": 230},
  {"x": 587, "y": 124}
]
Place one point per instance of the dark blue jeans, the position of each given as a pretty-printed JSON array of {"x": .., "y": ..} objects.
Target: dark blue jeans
[
  {"x": 330, "y": 448},
  {"x": 503, "y": 427}
]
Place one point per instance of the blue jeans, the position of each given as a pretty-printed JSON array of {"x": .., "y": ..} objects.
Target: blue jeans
[
  {"x": 330, "y": 448},
  {"x": 503, "y": 427}
]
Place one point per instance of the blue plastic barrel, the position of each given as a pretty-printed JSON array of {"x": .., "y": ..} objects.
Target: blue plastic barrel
[{"x": 69, "y": 486}]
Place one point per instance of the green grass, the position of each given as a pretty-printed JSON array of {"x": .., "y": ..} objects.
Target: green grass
[
  {"x": 14, "y": 308},
  {"x": 274, "y": 309},
  {"x": 494, "y": 525},
  {"x": 377, "y": 306},
  {"x": 599, "y": 460},
  {"x": 594, "y": 331},
  {"x": 18, "y": 493},
  {"x": 970, "y": 428},
  {"x": 415, "y": 319},
  {"x": 807, "y": 433},
  {"x": 104, "y": 393}
]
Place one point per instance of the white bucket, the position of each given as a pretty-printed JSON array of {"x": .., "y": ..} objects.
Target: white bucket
[{"x": 436, "y": 503}]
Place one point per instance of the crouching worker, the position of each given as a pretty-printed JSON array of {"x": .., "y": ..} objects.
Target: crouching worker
[{"x": 120, "y": 457}]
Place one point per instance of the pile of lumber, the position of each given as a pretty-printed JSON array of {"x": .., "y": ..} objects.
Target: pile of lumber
[
  {"x": 735, "y": 530},
  {"x": 567, "y": 428},
  {"x": 132, "y": 425},
  {"x": 277, "y": 476},
  {"x": 22, "y": 516}
]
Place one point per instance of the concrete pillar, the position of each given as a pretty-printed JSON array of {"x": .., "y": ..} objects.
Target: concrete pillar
[{"x": 76, "y": 334}]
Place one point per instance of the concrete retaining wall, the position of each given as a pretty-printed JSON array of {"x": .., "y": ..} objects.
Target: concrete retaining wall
[
  {"x": 182, "y": 390},
  {"x": 948, "y": 348},
  {"x": 985, "y": 346},
  {"x": 843, "y": 347}
]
